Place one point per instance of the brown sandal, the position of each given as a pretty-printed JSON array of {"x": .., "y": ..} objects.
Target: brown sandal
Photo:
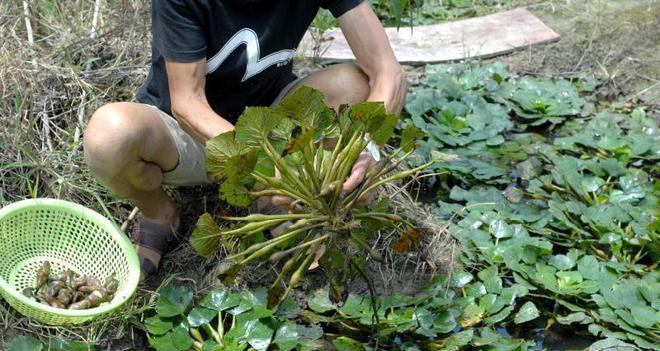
[{"x": 155, "y": 237}]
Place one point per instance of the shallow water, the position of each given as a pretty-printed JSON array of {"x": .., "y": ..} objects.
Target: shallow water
[{"x": 557, "y": 338}]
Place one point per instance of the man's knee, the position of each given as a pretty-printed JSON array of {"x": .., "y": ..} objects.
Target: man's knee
[
  {"x": 343, "y": 83},
  {"x": 352, "y": 83},
  {"x": 110, "y": 139}
]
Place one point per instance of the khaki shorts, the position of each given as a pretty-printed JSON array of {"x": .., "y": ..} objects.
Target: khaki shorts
[{"x": 191, "y": 169}]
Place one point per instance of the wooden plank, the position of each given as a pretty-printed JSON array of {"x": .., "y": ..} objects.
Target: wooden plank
[{"x": 477, "y": 37}]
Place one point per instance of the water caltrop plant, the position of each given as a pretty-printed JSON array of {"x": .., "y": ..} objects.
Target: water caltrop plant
[{"x": 304, "y": 150}]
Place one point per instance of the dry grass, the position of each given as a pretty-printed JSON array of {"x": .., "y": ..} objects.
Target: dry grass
[
  {"x": 49, "y": 88},
  {"x": 617, "y": 41}
]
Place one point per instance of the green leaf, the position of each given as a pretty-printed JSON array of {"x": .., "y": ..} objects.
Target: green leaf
[
  {"x": 307, "y": 106},
  {"x": 320, "y": 302},
  {"x": 173, "y": 301},
  {"x": 501, "y": 229},
  {"x": 220, "y": 299},
  {"x": 157, "y": 326},
  {"x": 344, "y": 343},
  {"x": 181, "y": 339},
  {"x": 286, "y": 336},
  {"x": 258, "y": 335},
  {"x": 200, "y": 315},
  {"x": 380, "y": 130},
  {"x": 211, "y": 345},
  {"x": 444, "y": 322},
  {"x": 25, "y": 343},
  {"x": 589, "y": 267},
  {"x": 577, "y": 317},
  {"x": 462, "y": 338},
  {"x": 206, "y": 236},
  {"x": 218, "y": 151},
  {"x": 644, "y": 316},
  {"x": 499, "y": 316},
  {"x": 562, "y": 262},
  {"x": 301, "y": 141},
  {"x": 409, "y": 137},
  {"x": 235, "y": 193},
  {"x": 611, "y": 345},
  {"x": 460, "y": 279},
  {"x": 176, "y": 340},
  {"x": 288, "y": 308},
  {"x": 568, "y": 279},
  {"x": 526, "y": 313},
  {"x": 312, "y": 332},
  {"x": 255, "y": 124},
  {"x": 240, "y": 166},
  {"x": 491, "y": 280},
  {"x": 59, "y": 344},
  {"x": 487, "y": 301},
  {"x": 249, "y": 300}
]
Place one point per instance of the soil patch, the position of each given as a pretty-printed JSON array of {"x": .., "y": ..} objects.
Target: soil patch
[{"x": 617, "y": 41}]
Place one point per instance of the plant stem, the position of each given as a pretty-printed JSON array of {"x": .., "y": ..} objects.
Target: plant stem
[
  {"x": 333, "y": 157},
  {"x": 286, "y": 268},
  {"x": 258, "y": 217},
  {"x": 270, "y": 244},
  {"x": 292, "y": 232},
  {"x": 385, "y": 218},
  {"x": 374, "y": 305},
  {"x": 339, "y": 158},
  {"x": 278, "y": 255},
  {"x": 221, "y": 328},
  {"x": 375, "y": 255},
  {"x": 300, "y": 272},
  {"x": 283, "y": 168},
  {"x": 397, "y": 176},
  {"x": 254, "y": 227},
  {"x": 214, "y": 334},
  {"x": 309, "y": 154},
  {"x": 281, "y": 188}
]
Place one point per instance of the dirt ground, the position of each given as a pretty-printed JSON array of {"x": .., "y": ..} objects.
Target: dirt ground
[{"x": 618, "y": 41}]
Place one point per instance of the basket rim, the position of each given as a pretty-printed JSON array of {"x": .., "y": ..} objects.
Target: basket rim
[{"x": 115, "y": 233}]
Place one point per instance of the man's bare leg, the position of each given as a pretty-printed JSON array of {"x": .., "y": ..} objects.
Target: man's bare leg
[
  {"x": 343, "y": 83},
  {"x": 127, "y": 147}
]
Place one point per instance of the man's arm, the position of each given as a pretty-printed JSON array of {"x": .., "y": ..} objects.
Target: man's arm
[
  {"x": 189, "y": 105},
  {"x": 370, "y": 45}
]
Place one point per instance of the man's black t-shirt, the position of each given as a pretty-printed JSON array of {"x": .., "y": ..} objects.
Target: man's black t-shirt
[{"x": 248, "y": 46}]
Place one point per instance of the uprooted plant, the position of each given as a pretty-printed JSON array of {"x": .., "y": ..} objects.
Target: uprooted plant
[{"x": 305, "y": 151}]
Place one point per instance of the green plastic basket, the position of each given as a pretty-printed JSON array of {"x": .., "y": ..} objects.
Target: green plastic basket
[{"x": 70, "y": 236}]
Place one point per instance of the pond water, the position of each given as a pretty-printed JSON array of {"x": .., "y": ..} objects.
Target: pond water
[{"x": 556, "y": 338}]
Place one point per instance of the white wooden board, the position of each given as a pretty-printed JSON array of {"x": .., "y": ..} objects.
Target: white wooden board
[{"x": 477, "y": 37}]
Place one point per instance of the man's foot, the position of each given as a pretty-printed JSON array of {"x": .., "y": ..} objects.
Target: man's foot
[{"x": 152, "y": 240}]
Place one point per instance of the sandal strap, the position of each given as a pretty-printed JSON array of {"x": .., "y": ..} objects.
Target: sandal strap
[
  {"x": 153, "y": 236},
  {"x": 147, "y": 267}
]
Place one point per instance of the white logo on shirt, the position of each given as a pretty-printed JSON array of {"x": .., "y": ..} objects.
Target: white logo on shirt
[{"x": 254, "y": 64}]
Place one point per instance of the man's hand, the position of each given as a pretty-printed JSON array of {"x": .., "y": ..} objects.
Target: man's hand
[
  {"x": 355, "y": 178},
  {"x": 358, "y": 172},
  {"x": 391, "y": 88}
]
